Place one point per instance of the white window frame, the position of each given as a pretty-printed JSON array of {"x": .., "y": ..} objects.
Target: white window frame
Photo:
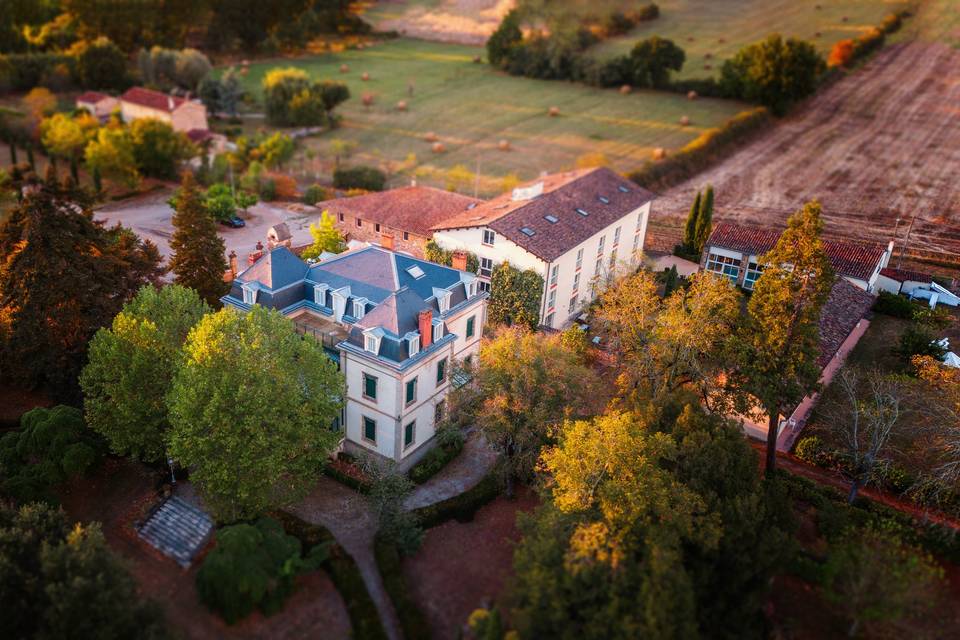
[
  {"x": 603, "y": 240},
  {"x": 437, "y": 330},
  {"x": 724, "y": 266},
  {"x": 488, "y": 238},
  {"x": 320, "y": 294},
  {"x": 250, "y": 293},
  {"x": 552, "y": 299},
  {"x": 486, "y": 267},
  {"x": 576, "y": 281},
  {"x": 371, "y": 340},
  {"x": 359, "y": 308},
  {"x": 580, "y": 259},
  {"x": 616, "y": 236},
  {"x": 573, "y": 304},
  {"x": 554, "y": 274},
  {"x": 443, "y": 299},
  {"x": 753, "y": 273},
  {"x": 413, "y": 344}
]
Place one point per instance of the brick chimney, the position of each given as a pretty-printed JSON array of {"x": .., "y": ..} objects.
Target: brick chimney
[
  {"x": 425, "y": 322},
  {"x": 459, "y": 260},
  {"x": 234, "y": 267},
  {"x": 386, "y": 241}
]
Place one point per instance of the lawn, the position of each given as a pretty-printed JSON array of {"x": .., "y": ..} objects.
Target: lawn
[
  {"x": 710, "y": 31},
  {"x": 471, "y": 108}
]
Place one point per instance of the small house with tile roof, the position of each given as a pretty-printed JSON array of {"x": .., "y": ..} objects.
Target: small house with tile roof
[
  {"x": 395, "y": 324},
  {"x": 734, "y": 251},
  {"x": 99, "y": 105},
  {"x": 183, "y": 115},
  {"x": 575, "y": 229}
]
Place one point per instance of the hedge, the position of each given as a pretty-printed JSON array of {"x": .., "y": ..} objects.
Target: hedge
[
  {"x": 412, "y": 620},
  {"x": 435, "y": 460},
  {"x": 894, "y": 305},
  {"x": 360, "y": 177},
  {"x": 357, "y": 485},
  {"x": 460, "y": 507},
  {"x": 707, "y": 148},
  {"x": 343, "y": 571}
]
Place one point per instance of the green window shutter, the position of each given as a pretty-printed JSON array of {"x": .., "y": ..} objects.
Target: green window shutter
[
  {"x": 370, "y": 386},
  {"x": 370, "y": 429},
  {"x": 441, "y": 370},
  {"x": 408, "y": 434},
  {"x": 471, "y": 321},
  {"x": 411, "y": 390}
]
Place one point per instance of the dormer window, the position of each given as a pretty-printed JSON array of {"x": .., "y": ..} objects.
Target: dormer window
[
  {"x": 320, "y": 294},
  {"x": 437, "y": 330},
  {"x": 249, "y": 293},
  {"x": 471, "y": 288},
  {"x": 443, "y": 299},
  {"x": 413, "y": 344},
  {"x": 371, "y": 342},
  {"x": 359, "y": 308}
]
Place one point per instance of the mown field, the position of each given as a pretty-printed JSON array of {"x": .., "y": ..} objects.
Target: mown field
[
  {"x": 471, "y": 108},
  {"x": 710, "y": 31}
]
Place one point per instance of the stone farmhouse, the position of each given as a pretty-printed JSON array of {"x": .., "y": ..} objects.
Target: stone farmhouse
[
  {"x": 99, "y": 105},
  {"x": 181, "y": 114},
  {"x": 400, "y": 219},
  {"x": 395, "y": 324},
  {"x": 572, "y": 228}
]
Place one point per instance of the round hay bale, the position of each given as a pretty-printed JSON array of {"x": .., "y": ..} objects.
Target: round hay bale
[
  {"x": 659, "y": 153},
  {"x": 477, "y": 59},
  {"x": 708, "y": 55},
  {"x": 721, "y": 40},
  {"x": 245, "y": 63},
  {"x": 691, "y": 95},
  {"x": 817, "y": 7},
  {"x": 365, "y": 76},
  {"x": 402, "y": 105},
  {"x": 344, "y": 68},
  {"x": 690, "y": 39},
  {"x": 430, "y": 137},
  {"x": 367, "y": 99},
  {"x": 817, "y": 34},
  {"x": 553, "y": 112},
  {"x": 707, "y": 67},
  {"x": 625, "y": 89},
  {"x": 503, "y": 145},
  {"x": 685, "y": 120},
  {"x": 438, "y": 147},
  {"x": 244, "y": 70},
  {"x": 844, "y": 19}
]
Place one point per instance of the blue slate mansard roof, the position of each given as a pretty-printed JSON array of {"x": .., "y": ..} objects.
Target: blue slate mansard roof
[{"x": 394, "y": 288}]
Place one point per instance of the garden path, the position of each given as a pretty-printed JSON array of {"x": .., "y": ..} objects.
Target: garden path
[{"x": 462, "y": 473}]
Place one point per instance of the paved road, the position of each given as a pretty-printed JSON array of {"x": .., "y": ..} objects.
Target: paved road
[{"x": 150, "y": 217}]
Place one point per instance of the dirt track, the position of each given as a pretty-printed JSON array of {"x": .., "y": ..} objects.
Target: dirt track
[{"x": 879, "y": 144}]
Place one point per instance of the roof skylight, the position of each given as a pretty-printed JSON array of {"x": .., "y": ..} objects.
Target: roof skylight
[
  {"x": 415, "y": 271},
  {"x": 623, "y": 189},
  {"x": 604, "y": 199},
  {"x": 527, "y": 231},
  {"x": 582, "y": 212},
  {"x": 552, "y": 219}
]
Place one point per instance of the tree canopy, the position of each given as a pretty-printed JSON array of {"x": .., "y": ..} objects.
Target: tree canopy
[
  {"x": 198, "y": 260},
  {"x": 515, "y": 296},
  {"x": 326, "y": 237}
]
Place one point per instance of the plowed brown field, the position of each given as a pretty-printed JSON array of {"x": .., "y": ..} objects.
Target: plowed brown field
[{"x": 880, "y": 144}]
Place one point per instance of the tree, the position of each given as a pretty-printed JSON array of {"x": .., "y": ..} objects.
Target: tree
[
  {"x": 841, "y": 54},
  {"x": 527, "y": 384},
  {"x": 40, "y": 102},
  {"x": 51, "y": 446},
  {"x": 291, "y": 99},
  {"x": 198, "y": 260},
  {"x": 111, "y": 154},
  {"x": 504, "y": 39},
  {"x": 874, "y": 577},
  {"x": 62, "y": 277},
  {"x": 60, "y": 581},
  {"x": 940, "y": 395},
  {"x": 326, "y": 237},
  {"x": 773, "y": 72},
  {"x": 870, "y": 410},
  {"x": 131, "y": 367},
  {"x": 690, "y": 228},
  {"x": 219, "y": 202},
  {"x": 65, "y": 136},
  {"x": 158, "y": 149},
  {"x": 250, "y": 411},
  {"x": 276, "y": 150},
  {"x": 389, "y": 488},
  {"x": 191, "y": 67},
  {"x": 777, "y": 348},
  {"x": 515, "y": 296},
  {"x": 332, "y": 94},
  {"x": 704, "y": 220},
  {"x": 651, "y": 61},
  {"x": 100, "y": 64}
]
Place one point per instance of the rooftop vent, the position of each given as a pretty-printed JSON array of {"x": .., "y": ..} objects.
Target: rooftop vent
[
  {"x": 582, "y": 212},
  {"x": 415, "y": 271},
  {"x": 527, "y": 231},
  {"x": 527, "y": 193},
  {"x": 551, "y": 219},
  {"x": 604, "y": 199}
]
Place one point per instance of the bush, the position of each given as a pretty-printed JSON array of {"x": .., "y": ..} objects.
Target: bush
[
  {"x": 438, "y": 457},
  {"x": 268, "y": 190},
  {"x": 461, "y": 507},
  {"x": 412, "y": 620},
  {"x": 24, "y": 71},
  {"x": 100, "y": 65},
  {"x": 360, "y": 177},
  {"x": 895, "y": 305},
  {"x": 813, "y": 450},
  {"x": 707, "y": 148},
  {"x": 315, "y": 193},
  {"x": 918, "y": 340},
  {"x": 773, "y": 72}
]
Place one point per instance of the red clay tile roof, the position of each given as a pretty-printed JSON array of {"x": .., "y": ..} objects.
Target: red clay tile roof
[
  {"x": 413, "y": 209},
  {"x": 562, "y": 195},
  {"x": 199, "y": 135},
  {"x": 902, "y": 275},
  {"x": 848, "y": 259},
  {"x": 847, "y": 305},
  {"x": 152, "y": 99},
  {"x": 92, "y": 97}
]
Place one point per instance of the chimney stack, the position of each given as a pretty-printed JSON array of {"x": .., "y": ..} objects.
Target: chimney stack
[
  {"x": 233, "y": 263},
  {"x": 169, "y": 103},
  {"x": 386, "y": 241},
  {"x": 460, "y": 260},
  {"x": 425, "y": 322}
]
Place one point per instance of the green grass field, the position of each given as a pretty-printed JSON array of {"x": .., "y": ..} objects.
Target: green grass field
[
  {"x": 719, "y": 28},
  {"x": 471, "y": 108}
]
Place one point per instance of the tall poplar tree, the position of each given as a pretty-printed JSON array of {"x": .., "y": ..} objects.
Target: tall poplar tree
[
  {"x": 778, "y": 345},
  {"x": 198, "y": 260},
  {"x": 704, "y": 220},
  {"x": 690, "y": 229}
]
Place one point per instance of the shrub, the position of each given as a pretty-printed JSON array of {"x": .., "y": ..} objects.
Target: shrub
[
  {"x": 268, "y": 190},
  {"x": 813, "y": 450},
  {"x": 100, "y": 65},
  {"x": 918, "y": 340},
  {"x": 24, "y": 71},
  {"x": 412, "y": 620},
  {"x": 252, "y": 566},
  {"x": 841, "y": 54},
  {"x": 461, "y": 507},
  {"x": 895, "y": 305},
  {"x": 315, "y": 193},
  {"x": 360, "y": 177},
  {"x": 773, "y": 72},
  {"x": 449, "y": 445}
]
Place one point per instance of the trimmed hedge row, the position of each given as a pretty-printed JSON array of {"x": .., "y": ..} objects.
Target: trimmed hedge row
[
  {"x": 357, "y": 485},
  {"x": 703, "y": 151},
  {"x": 344, "y": 573},
  {"x": 412, "y": 620},
  {"x": 435, "y": 460},
  {"x": 461, "y": 507}
]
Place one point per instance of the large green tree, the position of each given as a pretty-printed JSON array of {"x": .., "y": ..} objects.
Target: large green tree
[
  {"x": 326, "y": 237},
  {"x": 250, "y": 410},
  {"x": 62, "y": 277},
  {"x": 158, "y": 149},
  {"x": 777, "y": 346},
  {"x": 198, "y": 260},
  {"x": 62, "y": 581},
  {"x": 515, "y": 296},
  {"x": 131, "y": 367}
]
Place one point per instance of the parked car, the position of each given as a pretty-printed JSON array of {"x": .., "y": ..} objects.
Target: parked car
[{"x": 234, "y": 222}]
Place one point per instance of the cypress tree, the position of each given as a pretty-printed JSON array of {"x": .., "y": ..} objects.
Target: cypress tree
[
  {"x": 97, "y": 181},
  {"x": 198, "y": 258},
  {"x": 705, "y": 219},
  {"x": 30, "y": 160},
  {"x": 690, "y": 230},
  {"x": 74, "y": 170},
  {"x": 13, "y": 153}
]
